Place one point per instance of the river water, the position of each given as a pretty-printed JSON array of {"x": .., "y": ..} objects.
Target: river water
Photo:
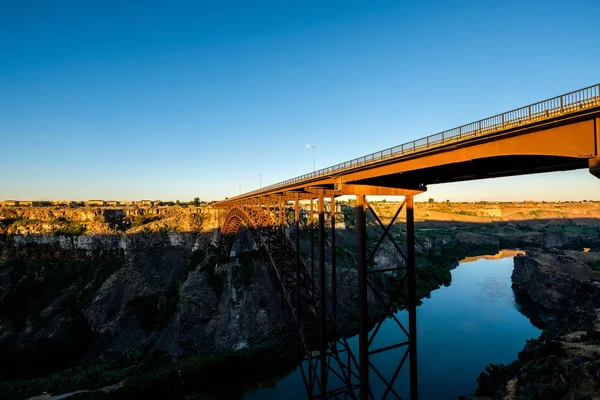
[{"x": 461, "y": 329}]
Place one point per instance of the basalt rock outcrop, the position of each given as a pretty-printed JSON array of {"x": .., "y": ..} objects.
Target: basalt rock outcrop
[
  {"x": 552, "y": 279},
  {"x": 106, "y": 296},
  {"x": 555, "y": 239},
  {"x": 564, "y": 363}
]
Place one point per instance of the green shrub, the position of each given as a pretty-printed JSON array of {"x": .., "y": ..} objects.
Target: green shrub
[
  {"x": 464, "y": 212},
  {"x": 495, "y": 375},
  {"x": 71, "y": 229},
  {"x": 206, "y": 260},
  {"x": 140, "y": 220},
  {"x": 70, "y": 379}
]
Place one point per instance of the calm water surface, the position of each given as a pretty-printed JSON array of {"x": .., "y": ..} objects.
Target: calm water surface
[{"x": 461, "y": 329}]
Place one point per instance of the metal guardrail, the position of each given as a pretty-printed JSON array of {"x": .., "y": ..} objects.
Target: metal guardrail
[{"x": 564, "y": 104}]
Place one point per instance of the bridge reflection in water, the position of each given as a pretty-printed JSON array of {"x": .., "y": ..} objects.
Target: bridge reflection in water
[{"x": 561, "y": 133}]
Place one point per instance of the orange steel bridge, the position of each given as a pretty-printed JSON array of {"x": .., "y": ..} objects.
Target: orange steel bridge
[{"x": 561, "y": 133}]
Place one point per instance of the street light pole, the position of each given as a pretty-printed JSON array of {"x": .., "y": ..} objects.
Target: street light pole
[
  {"x": 240, "y": 185},
  {"x": 313, "y": 147},
  {"x": 260, "y": 180}
]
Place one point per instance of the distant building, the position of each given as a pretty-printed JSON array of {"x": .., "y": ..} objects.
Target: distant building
[
  {"x": 29, "y": 203},
  {"x": 126, "y": 203},
  {"x": 11, "y": 203},
  {"x": 63, "y": 203},
  {"x": 91, "y": 203},
  {"x": 112, "y": 203}
]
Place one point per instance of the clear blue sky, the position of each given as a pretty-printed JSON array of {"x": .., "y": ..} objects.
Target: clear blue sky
[{"x": 173, "y": 100}]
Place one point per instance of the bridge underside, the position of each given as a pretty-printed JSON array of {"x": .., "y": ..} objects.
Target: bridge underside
[
  {"x": 493, "y": 167},
  {"x": 546, "y": 148}
]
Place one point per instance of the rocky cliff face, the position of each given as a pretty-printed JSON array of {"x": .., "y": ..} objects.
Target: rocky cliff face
[
  {"x": 106, "y": 296},
  {"x": 564, "y": 363},
  {"x": 552, "y": 279},
  {"x": 103, "y": 221},
  {"x": 477, "y": 239}
]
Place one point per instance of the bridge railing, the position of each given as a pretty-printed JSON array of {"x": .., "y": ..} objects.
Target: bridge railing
[{"x": 566, "y": 103}]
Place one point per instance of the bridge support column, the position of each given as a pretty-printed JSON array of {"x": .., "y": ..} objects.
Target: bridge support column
[
  {"x": 333, "y": 269},
  {"x": 281, "y": 231},
  {"x": 297, "y": 237},
  {"x": 323, "y": 298},
  {"x": 281, "y": 234},
  {"x": 268, "y": 230},
  {"x": 312, "y": 240},
  {"x": 363, "y": 317},
  {"x": 412, "y": 295}
]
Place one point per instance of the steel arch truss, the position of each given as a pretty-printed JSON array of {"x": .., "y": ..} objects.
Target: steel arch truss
[{"x": 308, "y": 290}]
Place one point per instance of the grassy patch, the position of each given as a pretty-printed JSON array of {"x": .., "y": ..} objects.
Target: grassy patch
[
  {"x": 199, "y": 377},
  {"x": 209, "y": 375},
  {"x": 71, "y": 229},
  {"x": 140, "y": 220},
  {"x": 465, "y": 212},
  {"x": 12, "y": 224},
  {"x": 23, "y": 221},
  {"x": 595, "y": 266},
  {"x": 577, "y": 229},
  {"x": 429, "y": 233},
  {"x": 70, "y": 379}
]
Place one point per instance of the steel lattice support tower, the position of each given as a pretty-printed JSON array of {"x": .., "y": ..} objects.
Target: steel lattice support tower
[{"x": 329, "y": 366}]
